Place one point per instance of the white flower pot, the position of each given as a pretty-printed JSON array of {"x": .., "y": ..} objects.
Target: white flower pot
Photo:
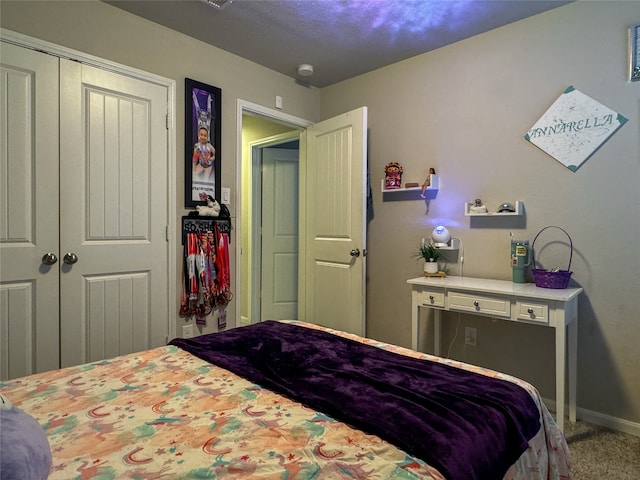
[{"x": 430, "y": 267}]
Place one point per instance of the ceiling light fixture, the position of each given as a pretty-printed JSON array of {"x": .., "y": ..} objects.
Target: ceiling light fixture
[
  {"x": 305, "y": 70},
  {"x": 218, "y": 4}
]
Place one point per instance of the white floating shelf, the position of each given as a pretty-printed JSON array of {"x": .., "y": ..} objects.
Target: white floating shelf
[
  {"x": 433, "y": 185},
  {"x": 454, "y": 245},
  {"x": 518, "y": 205}
]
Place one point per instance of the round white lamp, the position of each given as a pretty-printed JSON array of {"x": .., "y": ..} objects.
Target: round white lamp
[{"x": 440, "y": 236}]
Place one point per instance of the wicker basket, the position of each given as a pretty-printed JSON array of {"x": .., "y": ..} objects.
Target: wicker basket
[{"x": 547, "y": 279}]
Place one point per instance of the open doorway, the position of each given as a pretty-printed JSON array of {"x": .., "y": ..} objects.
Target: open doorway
[
  {"x": 332, "y": 223},
  {"x": 268, "y": 158},
  {"x": 273, "y": 232}
]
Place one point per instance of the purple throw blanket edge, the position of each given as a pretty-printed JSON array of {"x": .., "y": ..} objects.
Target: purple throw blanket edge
[{"x": 467, "y": 425}]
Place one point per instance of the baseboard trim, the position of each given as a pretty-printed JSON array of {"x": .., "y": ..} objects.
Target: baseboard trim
[{"x": 600, "y": 419}]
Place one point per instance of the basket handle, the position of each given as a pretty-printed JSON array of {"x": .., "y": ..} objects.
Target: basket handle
[{"x": 565, "y": 232}]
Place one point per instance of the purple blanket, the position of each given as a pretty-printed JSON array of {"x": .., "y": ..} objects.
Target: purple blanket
[{"x": 466, "y": 425}]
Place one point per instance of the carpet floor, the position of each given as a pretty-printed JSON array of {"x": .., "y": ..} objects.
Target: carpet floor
[{"x": 598, "y": 453}]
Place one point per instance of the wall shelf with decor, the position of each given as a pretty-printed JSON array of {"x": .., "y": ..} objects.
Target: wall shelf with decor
[
  {"x": 433, "y": 186},
  {"x": 519, "y": 206}
]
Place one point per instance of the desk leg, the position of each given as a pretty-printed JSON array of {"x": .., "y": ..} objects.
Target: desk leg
[
  {"x": 573, "y": 365},
  {"x": 436, "y": 332},
  {"x": 415, "y": 326},
  {"x": 415, "y": 319},
  {"x": 560, "y": 373}
]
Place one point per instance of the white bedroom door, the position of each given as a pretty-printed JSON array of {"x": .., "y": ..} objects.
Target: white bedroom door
[
  {"x": 279, "y": 299},
  {"x": 335, "y": 238},
  {"x": 29, "y": 212},
  {"x": 113, "y": 214}
]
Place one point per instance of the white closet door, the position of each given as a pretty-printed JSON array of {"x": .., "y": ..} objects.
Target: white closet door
[
  {"x": 28, "y": 211},
  {"x": 113, "y": 204}
]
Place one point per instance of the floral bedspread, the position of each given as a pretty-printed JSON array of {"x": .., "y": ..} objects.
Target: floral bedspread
[{"x": 165, "y": 414}]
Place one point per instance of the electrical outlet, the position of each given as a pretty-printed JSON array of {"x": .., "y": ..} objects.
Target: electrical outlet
[
  {"x": 470, "y": 336},
  {"x": 187, "y": 331}
]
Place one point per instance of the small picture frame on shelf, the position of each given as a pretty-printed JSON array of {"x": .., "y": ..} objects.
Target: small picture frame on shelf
[{"x": 634, "y": 53}]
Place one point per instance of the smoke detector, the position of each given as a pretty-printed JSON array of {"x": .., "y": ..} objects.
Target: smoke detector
[
  {"x": 305, "y": 70},
  {"x": 218, "y": 4}
]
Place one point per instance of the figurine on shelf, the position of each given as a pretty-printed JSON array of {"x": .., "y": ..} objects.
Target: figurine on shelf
[
  {"x": 427, "y": 182},
  {"x": 393, "y": 176},
  {"x": 477, "y": 207}
]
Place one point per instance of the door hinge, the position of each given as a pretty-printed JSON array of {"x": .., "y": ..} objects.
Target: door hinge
[
  {"x": 168, "y": 121},
  {"x": 167, "y": 233}
]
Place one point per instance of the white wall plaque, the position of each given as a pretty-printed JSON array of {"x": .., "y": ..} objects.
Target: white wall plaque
[{"x": 574, "y": 127}]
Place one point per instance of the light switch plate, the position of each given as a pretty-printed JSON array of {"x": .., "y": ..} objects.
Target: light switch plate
[{"x": 226, "y": 196}]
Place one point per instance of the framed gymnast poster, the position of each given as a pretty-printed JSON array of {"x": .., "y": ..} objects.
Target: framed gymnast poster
[{"x": 201, "y": 143}]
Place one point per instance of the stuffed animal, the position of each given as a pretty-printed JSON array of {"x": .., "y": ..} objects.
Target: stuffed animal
[
  {"x": 393, "y": 175},
  {"x": 211, "y": 209},
  {"x": 24, "y": 449}
]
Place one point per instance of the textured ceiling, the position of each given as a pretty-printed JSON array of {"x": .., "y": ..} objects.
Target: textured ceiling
[{"x": 340, "y": 38}]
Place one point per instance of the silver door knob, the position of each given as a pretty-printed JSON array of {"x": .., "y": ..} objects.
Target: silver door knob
[
  {"x": 49, "y": 258},
  {"x": 355, "y": 252},
  {"x": 70, "y": 258}
]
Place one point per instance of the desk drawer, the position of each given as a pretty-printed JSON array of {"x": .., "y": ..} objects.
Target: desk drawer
[
  {"x": 480, "y": 304},
  {"x": 532, "y": 311},
  {"x": 431, "y": 298}
]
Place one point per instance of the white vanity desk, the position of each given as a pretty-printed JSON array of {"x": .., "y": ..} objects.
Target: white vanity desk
[{"x": 518, "y": 302}]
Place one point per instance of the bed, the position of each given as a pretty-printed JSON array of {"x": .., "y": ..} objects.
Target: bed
[{"x": 290, "y": 400}]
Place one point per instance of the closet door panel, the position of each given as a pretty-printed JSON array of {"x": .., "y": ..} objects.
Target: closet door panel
[
  {"x": 118, "y": 314},
  {"x": 29, "y": 313},
  {"x": 113, "y": 214},
  {"x": 118, "y": 167}
]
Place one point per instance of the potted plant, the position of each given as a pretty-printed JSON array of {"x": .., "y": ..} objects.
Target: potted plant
[{"x": 430, "y": 254}]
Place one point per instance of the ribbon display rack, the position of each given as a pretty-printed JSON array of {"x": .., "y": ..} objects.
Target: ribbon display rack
[{"x": 193, "y": 224}]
